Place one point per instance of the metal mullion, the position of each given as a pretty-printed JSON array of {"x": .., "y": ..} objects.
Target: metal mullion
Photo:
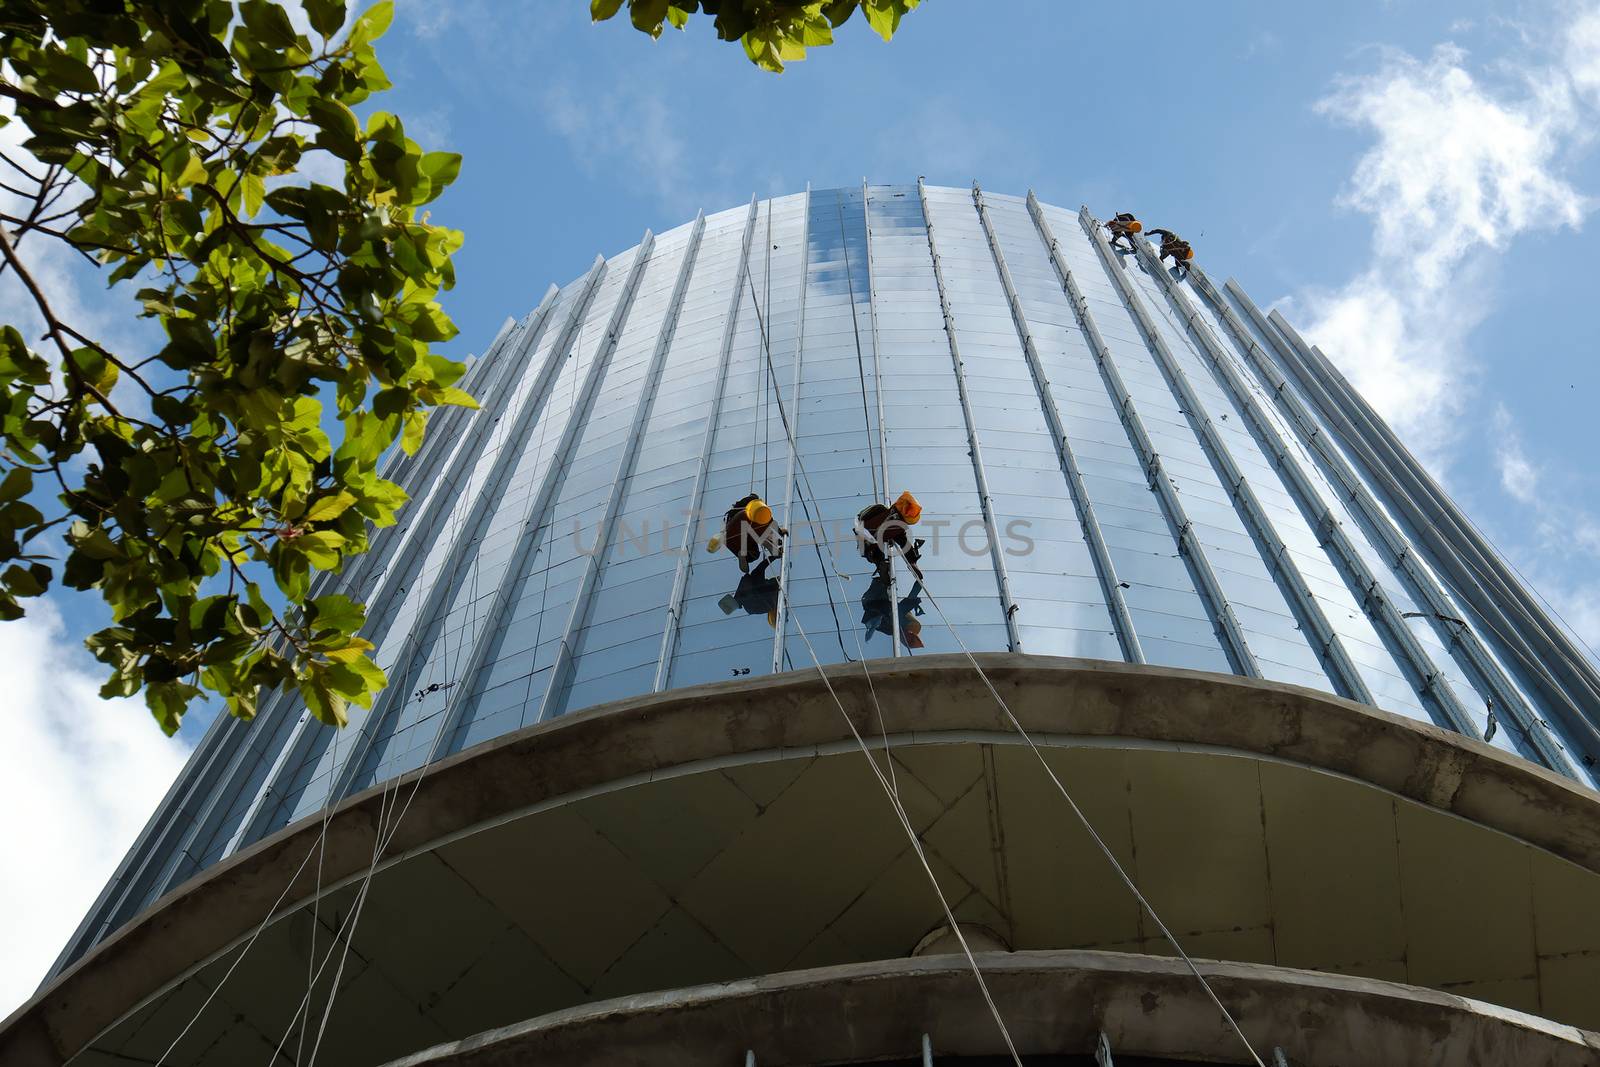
[
  {"x": 1379, "y": 524},
  {"x": 581, "y": 603},
  {"x": 1330, "y": 530},
  {"x": 204, "y": 783},
  {"x": 680, "y": 577},
  {"x": 239, "y": 744},
  {"x": 421, "y": 534},
  {"x": 1248, "y": 506},
  {"x": 792, "y": 435},
  {"x": 1473, "y": 562},
  {"x": 895, "y": 638},
  {"x": 436, "y": 615},
  {"x": 463, "y": 434},
  {"x": 1336, "y": 658},
  {"x": 1425, "y": 495},
  {"x": 1205, "y": 579},
  {"x": 1423, "y": 584},
  {"x": 1105, "y": 569},
  {"x": 1008, "y": 601}
]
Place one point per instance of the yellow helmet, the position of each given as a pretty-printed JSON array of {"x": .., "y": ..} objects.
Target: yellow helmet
[{"x": 758, "y": 512}]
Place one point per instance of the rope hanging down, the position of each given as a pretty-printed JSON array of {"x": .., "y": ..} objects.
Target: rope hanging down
[
  {"x": 888, "y": 783},
  {"x": 861, "y": 366},
  {"x": 911, "y": 835},
  {"x": 1019, "y": 728},
  {"x": 1083, "y": 819}
]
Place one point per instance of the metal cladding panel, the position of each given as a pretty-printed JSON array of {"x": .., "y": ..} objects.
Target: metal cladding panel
[{"x": 1114, "y": 463}]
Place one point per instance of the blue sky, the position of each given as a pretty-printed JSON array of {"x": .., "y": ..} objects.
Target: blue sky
[
  {"x": 1322, "y": 154},
  {"x": 1414, "y": 182}
]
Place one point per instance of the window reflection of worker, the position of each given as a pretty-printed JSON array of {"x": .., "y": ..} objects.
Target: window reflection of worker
[
  {"x": 748, "y": 531},
  {"x": 881, "y": 529},
  {"x": 1177, "y": 248},
  {"x": 756, "y": 594},
  {"x": 1122, "y": 228},
  {"x": 875, "y": 612}
]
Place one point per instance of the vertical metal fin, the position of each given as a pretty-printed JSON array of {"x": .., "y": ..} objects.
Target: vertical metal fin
[
  {"x": 581, "y": 602},
  {"x": 1008, "y": 602},
  {"x": 792, "y": 437},
  {"x": 1331, "y": 650},
  {"x": 680, "y": 578},
  {"x": 895, "y": 638},
  {"x": 537, "y": 515},
  {"x": 1430, "y": 683},
  {"x": 1229, "y": 632},
  {"x": 421, "y": 533},
  {"x": 217, "y": 785},
  {"x": 1386, "y": 534},
  {"x": 1105, "y": 570},
  {"x": 431, "y": 616}
]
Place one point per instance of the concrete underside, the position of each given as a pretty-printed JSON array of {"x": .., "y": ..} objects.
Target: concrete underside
[
  {"x": 1052, "y": 1003},
  {"x": 733, "y": 831}
]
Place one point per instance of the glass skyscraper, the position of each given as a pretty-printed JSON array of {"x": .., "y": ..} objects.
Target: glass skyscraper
[{"x": 1116, "y": 464}]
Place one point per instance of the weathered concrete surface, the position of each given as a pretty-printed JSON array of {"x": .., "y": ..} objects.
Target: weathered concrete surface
[
  {"x": 934, "y": 695},
  {"x": 1052, "y": 1002}
]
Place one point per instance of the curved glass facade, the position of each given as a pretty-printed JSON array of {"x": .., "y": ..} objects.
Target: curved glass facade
[{"x": 1114, "y": 463}]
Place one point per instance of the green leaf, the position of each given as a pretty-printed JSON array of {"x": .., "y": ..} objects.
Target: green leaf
[
  {"x": 356, "y": 648},
  {"x": 17, "y": 483},
  {"x": 269, "y": 23},
  {"x": 69, "y": 73},
  {"x": 321, "y": 548},
  {"x": 25, "y": 581},
  {"x": 329, "y": 507},
  {"x": 600, "y": 10},
  {"x": 326, "y": 16},
  {"x": 647, "y": 15},
  {"x": 372, "y": 23},
  {"x": 93, "y": 370},
  {"x": 334, "y": 611},
  {"x": 416, "y": 426}
]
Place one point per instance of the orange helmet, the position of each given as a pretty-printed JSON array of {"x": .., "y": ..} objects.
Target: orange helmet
[
  {"x": 908, "y": 507},
  {"x": 1135, "y": 226},
  {"x": 758, "y": 512},
  {"x": 1188, "y": 253}
]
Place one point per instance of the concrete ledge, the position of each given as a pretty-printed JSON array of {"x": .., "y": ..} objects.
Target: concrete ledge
[
  {"x": 1052, "y": 1002},
  {"x": 923, "y": 698}
]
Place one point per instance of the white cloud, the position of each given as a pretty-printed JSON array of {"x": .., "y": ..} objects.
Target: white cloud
[
  {"x": 82, "y": 776},
  {"x": 625, "y": 131},
  {"x": 1518, "y": 476},
  {"x": 1460, "y": 167},
  {"x": 1263, "y": 43},
  {"x": 1583, "y": 55}
]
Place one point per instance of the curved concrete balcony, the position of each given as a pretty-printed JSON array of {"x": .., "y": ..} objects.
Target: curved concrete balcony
[{"x": 732, "y": 831}]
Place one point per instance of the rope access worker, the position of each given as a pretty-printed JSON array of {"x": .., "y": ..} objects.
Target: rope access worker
[
  {"x": 881, "y": 527},
  {"x": 1122, "y": 228},
  {"x": 748, "y": 531},
  {"x": 1176, "y": 247}
]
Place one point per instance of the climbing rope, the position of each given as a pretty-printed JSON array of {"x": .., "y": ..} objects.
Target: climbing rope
[
  {"x": 861, "y": 366},
  {"x": 1020, "y": 729},
  {"x": 892, "y": 792},
  {"x": 1083, "y": 819}
]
